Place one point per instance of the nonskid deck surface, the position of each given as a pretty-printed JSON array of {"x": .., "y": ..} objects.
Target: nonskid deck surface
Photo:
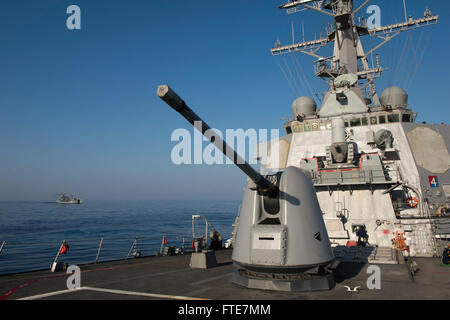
[{"x": 172, "y": 278}]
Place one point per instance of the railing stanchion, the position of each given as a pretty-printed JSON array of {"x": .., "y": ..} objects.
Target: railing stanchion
[
  {"x": 99, "y": 248},
  {"x": 59, "y": 251},
  {"x": 3, "y": 245},
  {"x": 132, "y": 246}
]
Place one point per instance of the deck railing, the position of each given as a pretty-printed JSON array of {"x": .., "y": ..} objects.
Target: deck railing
[{"x": 27, "y": 255}]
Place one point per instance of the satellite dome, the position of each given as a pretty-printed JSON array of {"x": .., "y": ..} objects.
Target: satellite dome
[
  {"x": 304, "y": 106},
  {"x": 394, "y": 96}
]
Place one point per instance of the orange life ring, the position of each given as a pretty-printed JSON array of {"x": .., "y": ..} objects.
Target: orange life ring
[{"x": 412, "y": 202}]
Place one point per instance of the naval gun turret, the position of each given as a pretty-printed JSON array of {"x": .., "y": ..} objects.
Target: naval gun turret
[{"x": 281, "y": 239}]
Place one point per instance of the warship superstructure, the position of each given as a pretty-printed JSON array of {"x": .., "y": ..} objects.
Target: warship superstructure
[
  {"x": 352, "y": 174},
  {"x": 71, "y": 199},
  {"x": 372, "y": 166}
]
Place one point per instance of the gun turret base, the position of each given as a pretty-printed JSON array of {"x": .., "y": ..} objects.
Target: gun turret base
[{"x": 288, "y": 283}]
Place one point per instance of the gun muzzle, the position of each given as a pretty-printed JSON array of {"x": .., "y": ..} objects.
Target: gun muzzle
[{"x": 173, "y": 100}]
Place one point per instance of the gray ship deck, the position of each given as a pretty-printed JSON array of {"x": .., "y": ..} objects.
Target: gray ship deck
[{"x": 172, "y": 278}]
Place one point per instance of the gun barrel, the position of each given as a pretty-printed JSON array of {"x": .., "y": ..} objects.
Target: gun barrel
[{"x": 172, "y": 99}]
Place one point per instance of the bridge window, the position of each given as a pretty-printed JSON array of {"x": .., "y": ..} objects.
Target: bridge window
[
  {"x": 373, "y": 120},
  {"x": 355, "y": 122},
  {"x": 297, "y": 128},
  {"x": 288, "y": 130},
  {"x": 406, "y": 117},
  {"x": 364, "y": 121},
  {"x": 393, "y": 118},
  {"x": 382, "y": 119}
]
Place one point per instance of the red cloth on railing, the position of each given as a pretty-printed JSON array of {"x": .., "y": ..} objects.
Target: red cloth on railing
[{"x": 64, "y": 249}]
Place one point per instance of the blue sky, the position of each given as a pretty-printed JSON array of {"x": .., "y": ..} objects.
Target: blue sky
[{"x": 79, "y": 111}]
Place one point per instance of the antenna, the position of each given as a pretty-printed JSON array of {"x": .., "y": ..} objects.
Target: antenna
[
  {"x": 346, "y": 35},
  {"x": 302, "y": 5},
  {"x": 293, "y": 38},
  {"x": 404, "y": 8},
  {"x": 303, "y": 31}
]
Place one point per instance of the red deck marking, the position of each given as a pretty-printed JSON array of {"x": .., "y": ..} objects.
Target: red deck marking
[
  {"x": 7, "y": 294},
  {"x": 26, "y": 284}
]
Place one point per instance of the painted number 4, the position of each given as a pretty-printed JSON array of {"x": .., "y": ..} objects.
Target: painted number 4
[{"x": 434, "y": 183}]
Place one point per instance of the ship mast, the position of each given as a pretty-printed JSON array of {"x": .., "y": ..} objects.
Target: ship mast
[{"x": 345, "y": 32}]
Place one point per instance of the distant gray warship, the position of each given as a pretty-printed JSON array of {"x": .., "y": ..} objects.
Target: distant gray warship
[{"x": 63, "y": 199}]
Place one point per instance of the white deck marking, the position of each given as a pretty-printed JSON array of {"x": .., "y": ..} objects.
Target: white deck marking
[
  {"x": 143, "y": 294},
  {"x": 54, "y": 293},
  {"x": 131, "y": 293},
  {"x": 201, "y": 291},
  {"x": 210, "y": 279}
]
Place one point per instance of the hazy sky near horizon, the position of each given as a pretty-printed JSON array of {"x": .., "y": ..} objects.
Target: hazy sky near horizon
[{"x": 79, "y": 112}]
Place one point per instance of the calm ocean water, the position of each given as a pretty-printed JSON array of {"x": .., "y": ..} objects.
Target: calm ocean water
[{"x": 34, "y": 231}]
